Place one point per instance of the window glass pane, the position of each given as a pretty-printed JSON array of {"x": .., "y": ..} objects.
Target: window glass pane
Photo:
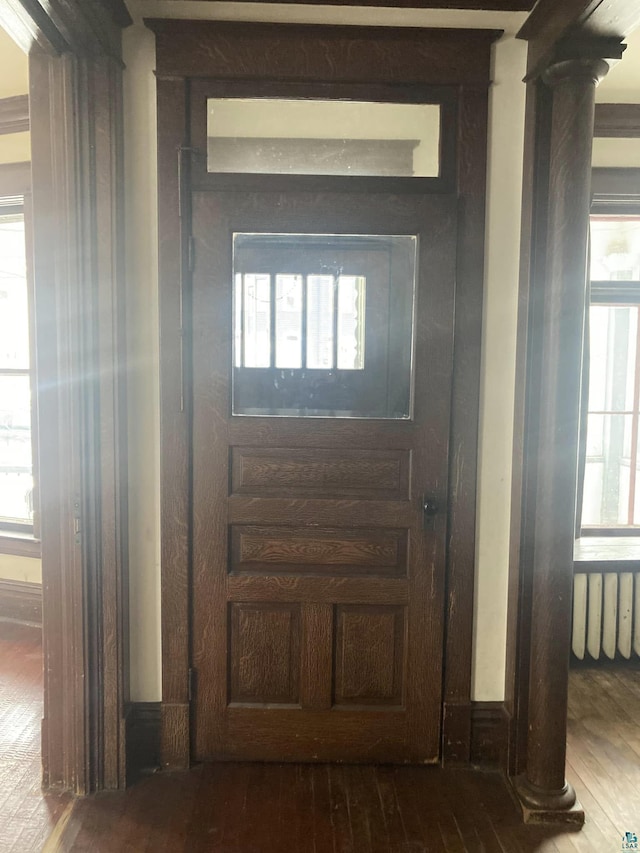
[
  {"x": 615, "y": 248},
  {"x": 16, "y": 480},
  {"x": 256, "y": 315},
  {"x": 315, "y": 137},
  {"x": 14, "y": 314},
  {"x": 320, "y": 295},
  {"x": 289, "y": 321},
  {"x": 351, "y": 309},
  {"x": 607, "y": 471},
  {"x": 612, "y": 355}
]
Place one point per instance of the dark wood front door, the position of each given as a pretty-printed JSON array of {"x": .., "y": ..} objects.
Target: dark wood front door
[{"x": 318, "y": 578}]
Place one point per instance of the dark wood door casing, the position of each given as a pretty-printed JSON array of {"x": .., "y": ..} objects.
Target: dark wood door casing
[{"x": 312, "y": 57}]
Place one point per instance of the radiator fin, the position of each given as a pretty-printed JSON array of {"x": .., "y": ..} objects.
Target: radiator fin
[{"x": 606, "y": 623}]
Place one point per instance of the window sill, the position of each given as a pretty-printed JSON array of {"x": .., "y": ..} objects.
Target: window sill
[
  {"x": 19, "y": 545},
  {"x": 606, "y": 554}
]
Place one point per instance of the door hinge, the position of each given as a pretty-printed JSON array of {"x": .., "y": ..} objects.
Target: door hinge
[
  {"x": 77, "y": 521},
  {"x": 191, "y": 253},
  {"x": 191, "y": 683}
]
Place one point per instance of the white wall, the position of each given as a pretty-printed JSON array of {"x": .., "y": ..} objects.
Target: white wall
[
  {"x": 498, "y": 365},
  {"x": 506, "y": 140},
  {"x": 620, "y": 86},
  {"x": 143, "y": 360},
  {"x": 14, "y": 80},
  {"x": 616, "y": 152}
]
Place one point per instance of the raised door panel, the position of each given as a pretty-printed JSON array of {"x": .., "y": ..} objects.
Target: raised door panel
[
  {"x": 370, "y": 655},
  {"x": 292, "y": 471},
  {"x": 332, "y": 551},
  {"x": 264, "y": 653}
]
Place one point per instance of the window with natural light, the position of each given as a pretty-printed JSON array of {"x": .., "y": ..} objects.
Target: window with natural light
[
  {"x": 16, "y": 464},
  {"x": 611, "y": 494}
]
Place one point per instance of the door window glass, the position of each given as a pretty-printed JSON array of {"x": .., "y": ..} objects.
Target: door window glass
[{"x": 323, "y": 325}]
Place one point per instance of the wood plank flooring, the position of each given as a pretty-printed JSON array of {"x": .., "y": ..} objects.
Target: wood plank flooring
[
  {"x": 257, "y": 808},
  {"x": 26, "y": 816}
]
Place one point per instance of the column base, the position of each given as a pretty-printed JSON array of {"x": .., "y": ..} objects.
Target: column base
[{"x": 541, "y": 806}]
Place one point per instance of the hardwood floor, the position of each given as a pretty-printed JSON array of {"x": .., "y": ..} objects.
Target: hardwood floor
[
  {"x": 26, "y": 816},
  {"x": 285, "y": 808}
]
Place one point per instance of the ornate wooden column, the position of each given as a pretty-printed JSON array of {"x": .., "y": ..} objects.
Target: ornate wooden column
[{"x": 542, "y": 788}]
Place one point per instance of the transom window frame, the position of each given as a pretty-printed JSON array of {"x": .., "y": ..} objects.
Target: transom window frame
[{"x": 446, "y": 97}]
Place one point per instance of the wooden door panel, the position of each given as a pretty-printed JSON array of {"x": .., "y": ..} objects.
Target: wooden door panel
[
  {"x": 285, "y": 735},
  {"x": 341, "y": 512},
  {"x": 264, "y": 653},
  {"x": 369, "y": 655},
  {"x": 333, "y": 551},
  {"x": 318, "y": 598},
  {"x": 296, "y": 472}
]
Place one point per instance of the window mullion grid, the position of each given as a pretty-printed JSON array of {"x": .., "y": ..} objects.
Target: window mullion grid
[
  {"x": 272, "y": 320},
  {"x": 335, "y": 322},
  {"x": 303, "y": 335},
  {"x": 243, "y": 332}
]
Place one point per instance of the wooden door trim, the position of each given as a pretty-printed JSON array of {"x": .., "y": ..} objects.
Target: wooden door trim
[
  {"x": 75, "y": 104},
  {"x": 184, "y": 51}
]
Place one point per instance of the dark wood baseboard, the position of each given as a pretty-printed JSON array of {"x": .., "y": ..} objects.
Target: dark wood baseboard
[
  {"x": 143, "y": 739},
  {"x": 456, "y": 732},
  {"x": 489, "y": 734},
  {"x": 21, "y": 601}
]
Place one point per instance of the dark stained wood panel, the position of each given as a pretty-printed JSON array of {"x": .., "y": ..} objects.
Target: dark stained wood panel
[
  {"x": 264, "y": 653},
  {"x": 230, "y": 50},
  {"x": 174, "y": 425},
  {"x": 295, "y": 472},
  {"x": 318, "y": 550},
  {"x": 369, "y": 659}
]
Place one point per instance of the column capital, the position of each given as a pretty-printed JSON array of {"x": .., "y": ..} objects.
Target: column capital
[
  {"x": 575, "y": 70},
  {"x": 576, "y": 59}
]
